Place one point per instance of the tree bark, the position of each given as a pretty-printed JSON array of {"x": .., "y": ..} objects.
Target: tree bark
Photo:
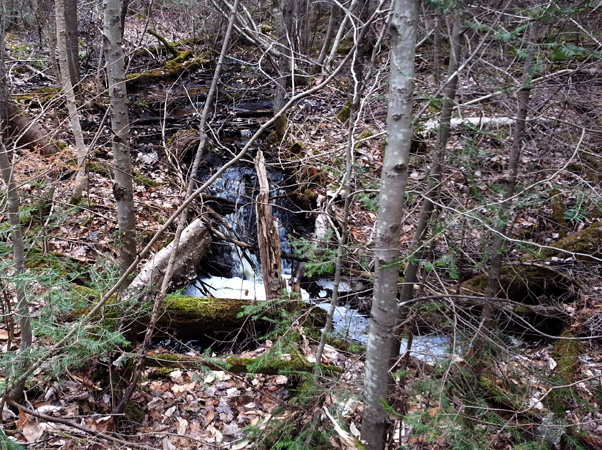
[
  {"x": 428, "y": 206},
  {"x": 281, "y": 11},
  {"x": 340, "y": 32},
  {"x": 12, "y": 206},
  {"x": 394, "y": 176},
  {"x": 334, "y": 17},
  {"x": 268, "y": 238},
  {"x": 68, "y": 72},
  {"x": 71, "y": 40},
  {"x": 120, "y": 125},
  {"x": 194, "y": 244}
]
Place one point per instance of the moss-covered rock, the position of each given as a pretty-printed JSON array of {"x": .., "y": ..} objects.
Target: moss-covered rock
[
  {"x": 584, "y": 245},
  {"x": 525, "y": 283}
]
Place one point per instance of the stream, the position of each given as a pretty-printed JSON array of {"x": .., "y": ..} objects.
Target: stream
[{"x": 230, "y": 270}]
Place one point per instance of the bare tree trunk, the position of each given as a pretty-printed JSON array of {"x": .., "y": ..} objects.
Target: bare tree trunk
[
  {"x": 120, "y": 125},
  {"x": 334, "y": 18},
  {"x": 71, "y": 40},
  {"x": 281, "y": 11},
  {"x": 268, "y": 239},
  {"x": 386, "y": 252},
  {"x": 190, "y": 192},
  {"x": 339, "y": 35},
  {"x": 12, "y": 206},
  {"x": 124, "y": 12},
  {"x": 69, "y": 71},
  {"x": 428, "y": 206},
  {"x": 497, "y": 254},
  {"x": 43, "y": 10},
  {"x": 194, "y": 244}
]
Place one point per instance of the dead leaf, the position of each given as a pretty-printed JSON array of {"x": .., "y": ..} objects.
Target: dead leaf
[
  {"x": 170, "y": 411},
  {"x": 182, "y": 426},
  {"x": 32, "y": 431},
  {"x": 179, "y": 388},
  {"x": 22, "y": 420},
  {"x": 167, "y": 445},
  {"x": 101, "y": 425}
]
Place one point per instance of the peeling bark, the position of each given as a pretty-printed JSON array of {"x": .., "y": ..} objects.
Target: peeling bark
[
  {"x": 267, "y": 235},
  {"x": 194, "y": 244}
]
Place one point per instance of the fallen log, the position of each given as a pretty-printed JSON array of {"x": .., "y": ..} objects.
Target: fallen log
[
  {"x": 29, "y": 134},
  {"x": 202, "y": 317},
  {"x": 194, "y": 244},
  {"x": 236, "y": 365}
]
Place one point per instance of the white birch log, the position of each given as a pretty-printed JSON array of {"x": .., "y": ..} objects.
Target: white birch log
[{"x": 194, "y": 244}]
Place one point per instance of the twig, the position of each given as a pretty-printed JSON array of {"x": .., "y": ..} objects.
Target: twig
[{"x": 72, "y": 424}]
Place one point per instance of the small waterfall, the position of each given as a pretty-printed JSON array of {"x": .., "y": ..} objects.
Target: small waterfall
[{"x": 234, "y": 193}]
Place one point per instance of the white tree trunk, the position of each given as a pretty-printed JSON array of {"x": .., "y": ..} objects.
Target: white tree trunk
[{"x": 392, "y": 189}]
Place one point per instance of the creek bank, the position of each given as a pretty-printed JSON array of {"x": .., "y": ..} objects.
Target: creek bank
[{"x": 536, "y": 290}]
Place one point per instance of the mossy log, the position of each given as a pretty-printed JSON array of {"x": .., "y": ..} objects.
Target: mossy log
[
  {"x": 526, "y": 283},
  {"x": 584, "y": 245},
  {"x": 39, "y": 97},
  {"x": 199, "y": 317},
  {"x": 534, "y": 291},
  {"x": 169, "y": 47},
  {"x": 235, "y": 365},
  {"x": 171, "y": 70}
]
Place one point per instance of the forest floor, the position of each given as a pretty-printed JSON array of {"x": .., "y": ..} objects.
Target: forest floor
[{"x": 204, "y": 408}]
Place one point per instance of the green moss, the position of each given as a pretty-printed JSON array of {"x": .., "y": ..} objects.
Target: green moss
[
  {"x": 587, "y": 242},
  {"x": 337, "y": 343},
  {"x": 171, "y": 70},
  {"x": 182, "y": 56},
  {"x": 60, "y": 264},
  {"x": 99, "y": 168},
  {"x": 204, "y": 308},
  {"x": 296, "y": 148},
  {"x": 41, "y": 95},
  {"x": 280, "y": 129},
  {"x": 106, "y": 171},
  {"x": 524, "y": 282},
  {"x": 144, "y": 181},
  {"x": 162, "y": 372},
  {"x": 268, "y": 366},
  {"x": 361, "y": 139},
  {"x": 345, "y": 112},
  {"x": 566, "y": 353}
]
